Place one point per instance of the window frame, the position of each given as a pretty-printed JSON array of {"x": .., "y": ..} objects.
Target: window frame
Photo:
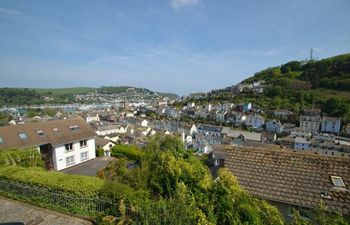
[
  {"x": 85, "y": 154},
  {"x": 21, "y": 137},
  {"x": 83, "y": 143},
  {"x": 71, "y": 162},
  {"x": 70, "y": 147},
  {"x": 334, "y": 178}
]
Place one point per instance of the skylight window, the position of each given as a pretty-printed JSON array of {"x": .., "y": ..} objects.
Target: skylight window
[
  {"x": 1, "y": 140},
  {"x": 337, "y": 181},
  {"x": 55, "y": 129},
  {"x": 40, "y": 133},
  {"x": 22, "y": 136},
  {"x": 74, "y": 127}
]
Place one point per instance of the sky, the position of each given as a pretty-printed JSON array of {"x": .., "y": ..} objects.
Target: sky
[{"x": 179, "y": 46}]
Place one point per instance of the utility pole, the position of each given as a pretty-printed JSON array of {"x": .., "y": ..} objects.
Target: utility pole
[{"x": 311, "y": 54}]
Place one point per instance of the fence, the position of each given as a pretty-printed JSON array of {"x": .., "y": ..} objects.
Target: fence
[{"x": 60, "y": 201}]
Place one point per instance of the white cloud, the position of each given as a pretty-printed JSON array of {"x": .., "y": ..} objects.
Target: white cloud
[
  {"x": 9, "y": 11},
  {"x": 183, "y": 3}
]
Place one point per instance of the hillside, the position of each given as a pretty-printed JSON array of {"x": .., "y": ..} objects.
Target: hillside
[
  {"x": 29, "y": 96},
  {"x": 296, "y": 85},
  {"x": 330, "y": 73}
]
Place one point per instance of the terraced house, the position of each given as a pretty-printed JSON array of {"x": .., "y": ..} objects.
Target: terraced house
[{"x": 62, "y": 143}]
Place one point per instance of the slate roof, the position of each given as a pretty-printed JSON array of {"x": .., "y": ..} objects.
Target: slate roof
[
  {"x": 101, "y": 141},
  {"x": 209, "y": 128},
  {"x": 55, "y": 132},
  {"x": 294, "y": 178}
]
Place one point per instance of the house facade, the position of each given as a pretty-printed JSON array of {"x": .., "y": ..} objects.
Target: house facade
[
  {"x": 330, "y": 124},
  {"x": 310, "y": 120},
  {"x": 62, "y": 143}
]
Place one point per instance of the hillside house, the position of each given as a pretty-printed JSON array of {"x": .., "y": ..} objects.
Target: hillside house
[
  {"x": 330, "y": 124},
  {"x": 310, "y": 120},
  {"x": 62, "y": 143}
]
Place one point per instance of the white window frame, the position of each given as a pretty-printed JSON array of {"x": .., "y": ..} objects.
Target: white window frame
[
  {"x": 85, "y": 154},
  {"x": 83, "y": 143},
  {"x": 70, "y": 160}
]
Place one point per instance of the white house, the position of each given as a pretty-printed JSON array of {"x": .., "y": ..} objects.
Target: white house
[
  {"x": 255, "y": 121},
  {"x": 105, "y": 144},
  {"x": 330, "y": 124},
  {"x": 220, "y": 116},
  {"x": 144, "y": 123},
  {"x": 301, "y": 143},
  {"x": 90, "y": 118},
  {"x": 62, "y": 143},
  {"x": 300, "y": 132},
  {"x": 274, "y": 126},
  {"x": 310, "y": 120}
]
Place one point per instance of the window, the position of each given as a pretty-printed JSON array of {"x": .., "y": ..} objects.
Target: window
[
  {"x": 69, "y": 146},
  {"x": 22, "y": 136},
  {"x": 84, "y": 156},
  {"x": 40, "y": 133},
  {"x": 83, "y": 143},
  {"x": 337, "y": 181},
  {"x": 74, "y": 127},
  {"x": 70, "y": 160},
  {"x": 1, "y": 140}
]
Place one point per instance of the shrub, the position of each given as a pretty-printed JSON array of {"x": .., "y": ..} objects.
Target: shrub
[
  {"x": 131, "y": 152},
  {"x": 54, "y": 181},
  {"x": 100, "y": 152},
  {"x": 29, "y": 157}
]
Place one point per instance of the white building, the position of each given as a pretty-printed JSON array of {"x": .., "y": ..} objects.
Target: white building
[
  {"x": 90, "y": 118},
  {"x": 330, "y": 124},
  {"x": 255, "y": 121},
  {"x": 62, "y": 143},
  {"x": 274, "y": 126},
  {"x": 310, "y": 120},
  {"x": 301, "y": 143}
]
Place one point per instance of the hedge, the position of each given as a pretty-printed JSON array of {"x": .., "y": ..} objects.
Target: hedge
[
  {"x": 54, "y": 181},
  {"x": 131, "y": 152},
  {"x": 29, "y": 157}
]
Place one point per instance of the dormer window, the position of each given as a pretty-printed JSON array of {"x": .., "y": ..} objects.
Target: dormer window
[
  {"x": 337, "y": 181},
  {"x": 40, "y": 133},
  {"x": 22, "y": 136}
]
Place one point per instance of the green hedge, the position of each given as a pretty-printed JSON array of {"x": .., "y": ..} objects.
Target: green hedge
[
  {"x": 131, "y": 152},
  {"x": 54, "y": 181},
  {"x": 29, "y": 157},
  {"x": 100, "y": 152}
]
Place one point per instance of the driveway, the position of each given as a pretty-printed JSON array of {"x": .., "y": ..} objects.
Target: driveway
[
  {"x": 90, "y": 167},
  {"x": 15, "y": 211}
]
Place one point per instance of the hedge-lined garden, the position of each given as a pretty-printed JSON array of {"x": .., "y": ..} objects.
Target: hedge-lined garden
[{"x": 29, "y": 157}]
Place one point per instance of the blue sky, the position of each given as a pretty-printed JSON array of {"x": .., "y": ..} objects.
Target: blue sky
[{"x": 179, "y": 46}]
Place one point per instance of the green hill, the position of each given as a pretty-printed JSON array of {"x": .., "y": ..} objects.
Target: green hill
[
  {"x": 294, "y": 85},
  {"x": 64, "y": 91}
]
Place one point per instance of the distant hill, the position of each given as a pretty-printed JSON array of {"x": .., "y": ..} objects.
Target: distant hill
[
  {"x": 64, "y": 91},
  {"x": 29, "y": 96},
  {"x": 330, "y": 73}
]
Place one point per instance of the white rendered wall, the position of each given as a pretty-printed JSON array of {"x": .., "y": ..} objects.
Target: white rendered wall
[{"x": 60, "y": 154}]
